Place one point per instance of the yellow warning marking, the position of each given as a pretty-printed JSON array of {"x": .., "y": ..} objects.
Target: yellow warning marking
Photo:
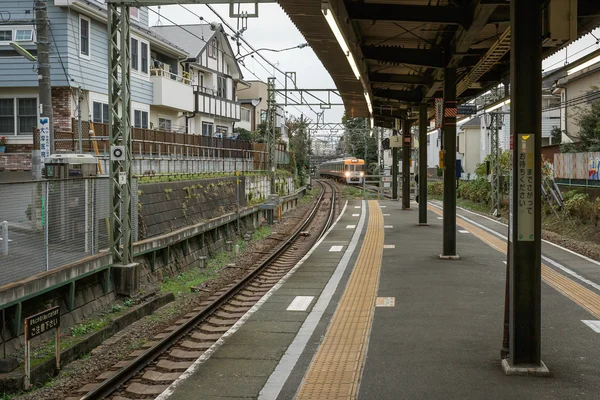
[
  {"x": 580, "y": 295},
  {"x": 336, "y": 368}
]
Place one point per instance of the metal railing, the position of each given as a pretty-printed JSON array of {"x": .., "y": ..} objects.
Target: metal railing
[
  {"x": 48, "y": 224},
  {"x": 169, "y": 75}
]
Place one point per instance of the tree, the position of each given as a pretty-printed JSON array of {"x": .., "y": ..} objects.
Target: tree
[
  {"x": 299, "y": 141},
  {"x": 589, "y": 127},
  {"x": 556, "y": 134},
  {"x": 480, "y": 170},
  {"x": 243, "y": 134},
  {"x": 360, "y": 143}
]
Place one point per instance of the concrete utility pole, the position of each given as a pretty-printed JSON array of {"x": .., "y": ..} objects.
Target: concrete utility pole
[{"x": 43, "y": 55}]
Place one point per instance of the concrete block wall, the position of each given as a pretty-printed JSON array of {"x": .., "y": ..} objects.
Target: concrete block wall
[
  {"x": 89, "y": 298},
  {"x": 259, "y": 186},
  {"x": 169, "y": 206}
]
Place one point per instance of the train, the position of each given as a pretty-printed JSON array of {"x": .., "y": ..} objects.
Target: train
[{"x": 349, "y": 170}]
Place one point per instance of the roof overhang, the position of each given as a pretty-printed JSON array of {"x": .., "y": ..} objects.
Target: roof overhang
[{"x": 402, "y": 47}]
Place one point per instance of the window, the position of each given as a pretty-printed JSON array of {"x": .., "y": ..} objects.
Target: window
[
  {"x": 5, "y": 35},
  {"x": 207, "y": 129},
  {"x": 139, "y": 55},
  {"x": 263, "y": 116},
  {"x": 24, "y": 35},
  {"x": 84, "y": 36},
  {"x": 222, "y": 131},
  {"x": 245, "y": 115},
  {"x": 134, "y": 12},
  {"x": 213, "y": 48},
  {"x": 164, "y": 124},
  {"x": 222, "y": 86},
  {"x": 144, "y": 57},
  {"x": 100, "y": 113},
  {"x": 18, "y": 33},
  {"x": 7, "y": 116},
  {"x": 18, "y": 116},
  {"x": 27, "y": 116},
  {"x": 134, "y": 54},
  {"x": 140, "y": 119}
]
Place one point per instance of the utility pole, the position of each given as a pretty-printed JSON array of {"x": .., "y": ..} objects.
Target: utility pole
[
  {"x": 43, "y": 55},
  {"x": 79, "y": 119},
  {"x": 271, "y": 118}
]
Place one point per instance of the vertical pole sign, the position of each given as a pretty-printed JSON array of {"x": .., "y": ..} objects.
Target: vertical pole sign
[
  {"x": 37, "y": 325},
  {"x": 44, "y": 129}
]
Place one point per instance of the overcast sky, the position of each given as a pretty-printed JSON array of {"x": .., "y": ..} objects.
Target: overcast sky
[{"x": 273, "y": 29}]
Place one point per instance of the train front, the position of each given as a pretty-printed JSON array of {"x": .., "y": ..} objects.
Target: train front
[{"x": 354, "y": 171}]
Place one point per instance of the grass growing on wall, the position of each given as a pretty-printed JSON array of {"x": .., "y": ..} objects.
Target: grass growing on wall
[{"x": 182, "y": 282}]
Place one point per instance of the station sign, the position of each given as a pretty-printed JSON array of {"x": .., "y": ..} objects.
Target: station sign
[
  {"x": 395, "y": 141},
  {"x": 466, "y": 109}
]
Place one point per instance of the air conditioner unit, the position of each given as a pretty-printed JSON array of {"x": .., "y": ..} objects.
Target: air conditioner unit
[{"x": 559, "y": 23}]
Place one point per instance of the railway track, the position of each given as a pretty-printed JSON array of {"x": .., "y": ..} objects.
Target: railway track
[{"x": 147, "y": 372}]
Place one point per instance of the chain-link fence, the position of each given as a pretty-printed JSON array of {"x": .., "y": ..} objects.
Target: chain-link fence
[{"x": 48, "y": 224}]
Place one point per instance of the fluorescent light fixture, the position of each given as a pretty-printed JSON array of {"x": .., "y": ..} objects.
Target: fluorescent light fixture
[
  {"x": 584, "y": 65},
  {"x": 497, "y": 106},
  {"x": 23, "y": 52},
  {"x": 333, "y": 24},
  {"x": 460, "y": 121},
  {"x": 369, "y": 104}
]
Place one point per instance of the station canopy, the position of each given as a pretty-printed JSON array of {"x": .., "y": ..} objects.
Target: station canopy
[{"x": 401, "y": 47}]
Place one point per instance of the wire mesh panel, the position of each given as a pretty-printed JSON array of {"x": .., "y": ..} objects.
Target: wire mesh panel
[
  {"x": 48, "y": 224},
  {"x": 22, "y": 219}
]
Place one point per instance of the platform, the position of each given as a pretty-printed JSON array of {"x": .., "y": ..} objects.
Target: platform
[{"x": 390, "y": 320}]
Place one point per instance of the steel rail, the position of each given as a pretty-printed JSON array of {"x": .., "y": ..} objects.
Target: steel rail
[
  {"x": 110, "y": 385},
  {"x": 331, "y": 210}
]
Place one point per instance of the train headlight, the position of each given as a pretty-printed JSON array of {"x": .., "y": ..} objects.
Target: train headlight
[
  {"x": 362, "y": 173},
  {"x": 347, "y": 174}
]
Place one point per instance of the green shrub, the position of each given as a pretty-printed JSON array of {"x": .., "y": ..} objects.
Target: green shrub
[
  {"x": 435, "y": 188},
  {"x": 578, "y": 205}
]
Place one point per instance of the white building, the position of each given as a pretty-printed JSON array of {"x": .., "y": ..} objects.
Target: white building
[
  {"x": 254, "y": 102},
  {"x": 214, "y": 73}
]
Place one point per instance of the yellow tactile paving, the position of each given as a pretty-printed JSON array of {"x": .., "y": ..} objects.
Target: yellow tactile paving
[
  {"x": 579, "y": 294},
  {"x": 336, "y": 368}
]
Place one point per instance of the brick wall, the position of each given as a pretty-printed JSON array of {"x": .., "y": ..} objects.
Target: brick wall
[
  {"x": 18, "y": 148},
  {"x": 15, "y": 162},
  {"x": 61, "y": 103}
]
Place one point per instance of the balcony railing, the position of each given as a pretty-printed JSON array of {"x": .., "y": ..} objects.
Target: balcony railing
[
  {"x": 171, "y": 90},
  {"x": 166, "y": 74},
  {"x": 212, "y": 102}
]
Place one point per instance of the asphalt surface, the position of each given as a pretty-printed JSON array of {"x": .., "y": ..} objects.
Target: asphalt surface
[{"x": 442, "y": 339}]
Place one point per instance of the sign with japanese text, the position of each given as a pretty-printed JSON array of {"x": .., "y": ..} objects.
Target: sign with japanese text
[
  {"x": 465, "y": 109},
  {"x": 36, "y": 325},
  {"x": 44, "y": 130},
  {"x": 42, "y": 322},
  {"x": 439, "y": 113},
  {"x": 525, "y": 187}
]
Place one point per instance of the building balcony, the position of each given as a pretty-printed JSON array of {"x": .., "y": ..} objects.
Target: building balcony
[
  {"x": 209, "y": 102},
  {"x": 171, "y": 91}
]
